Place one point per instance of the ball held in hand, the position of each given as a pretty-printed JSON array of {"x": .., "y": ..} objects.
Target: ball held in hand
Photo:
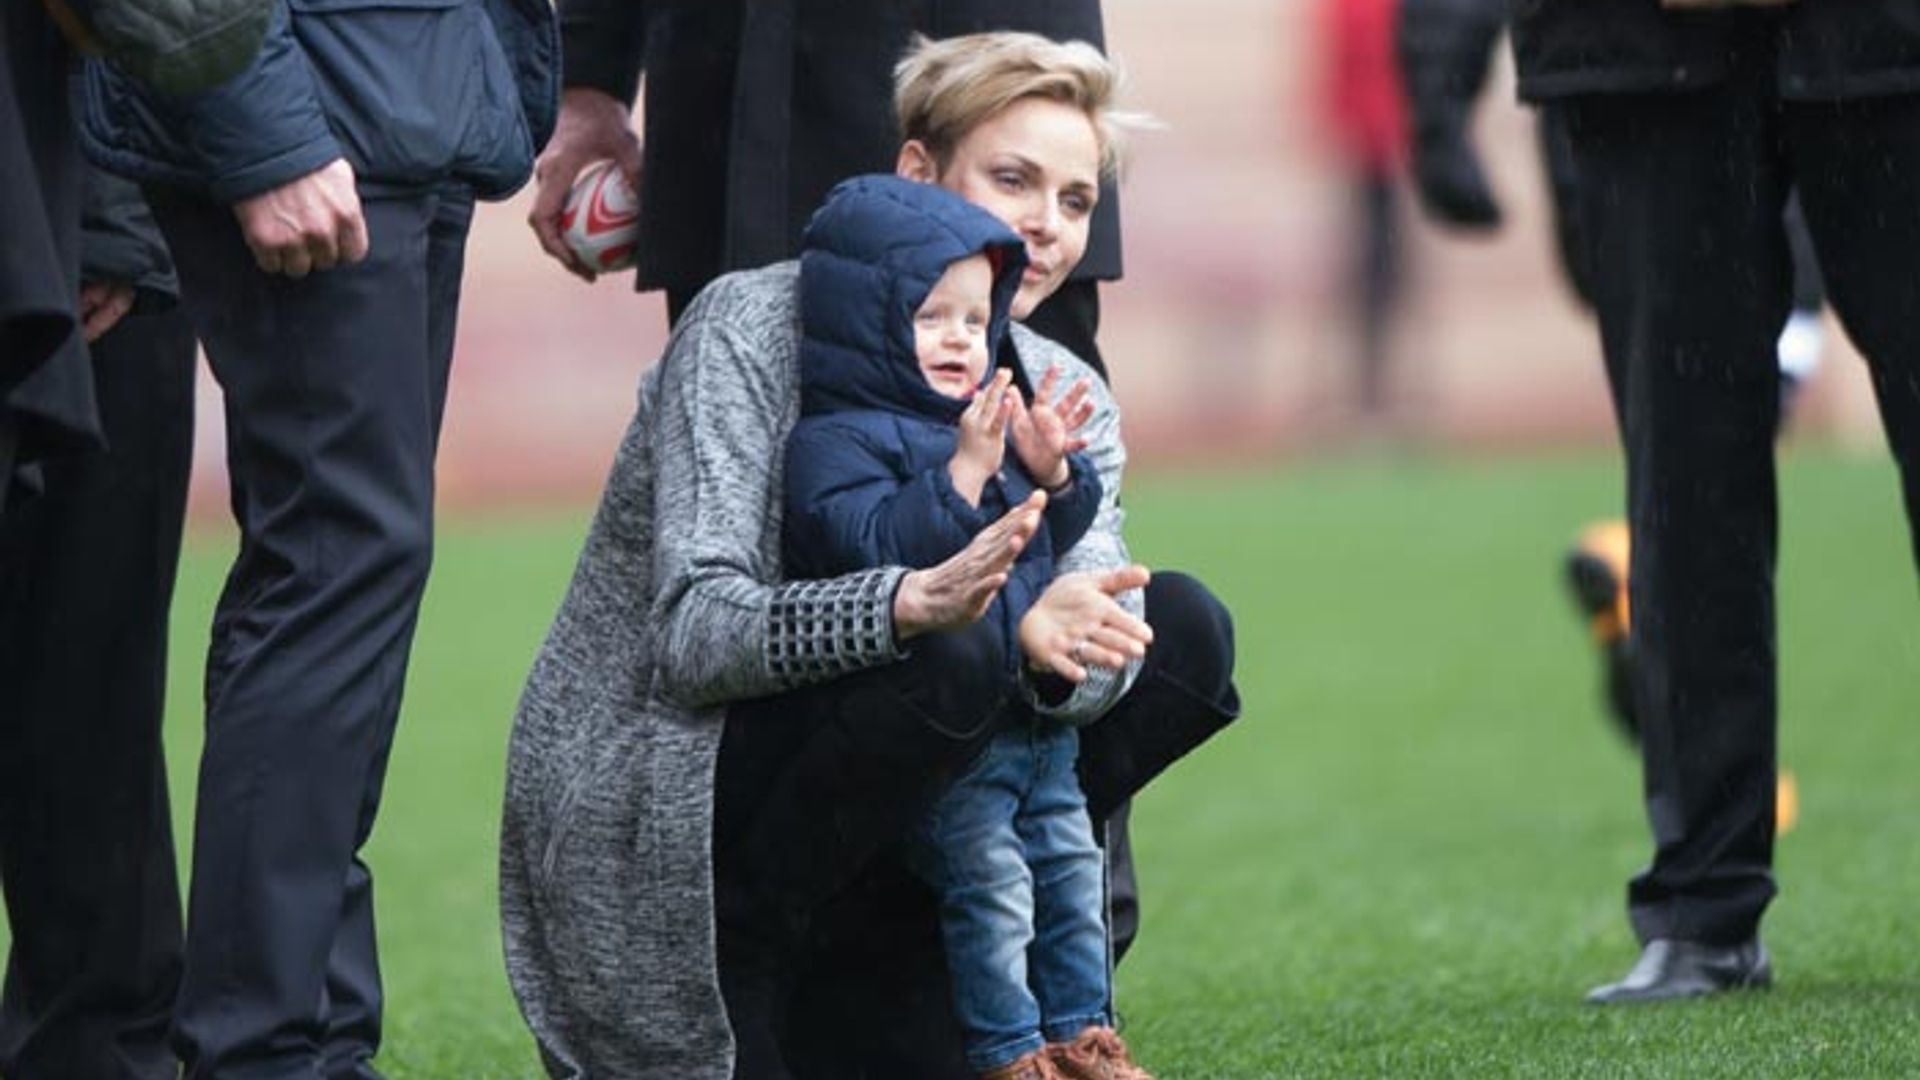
[{"x": 601, "y": 221}]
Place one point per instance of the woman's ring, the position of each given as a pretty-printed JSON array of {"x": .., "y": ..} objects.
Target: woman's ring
[{"x": 1078, "y": 648}]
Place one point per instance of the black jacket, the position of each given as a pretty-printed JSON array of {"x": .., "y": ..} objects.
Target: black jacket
[
  {"x": 1825, "y": 49},
  {"x": 46, "y": 383},
  {"x": 755, "y": 110}
]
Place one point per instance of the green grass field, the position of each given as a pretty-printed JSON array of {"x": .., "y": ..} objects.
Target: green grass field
[{"x": 1408, "y": 857}]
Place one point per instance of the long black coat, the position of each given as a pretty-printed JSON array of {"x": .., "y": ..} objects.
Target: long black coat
[
  {"x": 755, "y": 110},
  {"x": 46, "y": 383},
  {"x": 1828, "y": 49}
]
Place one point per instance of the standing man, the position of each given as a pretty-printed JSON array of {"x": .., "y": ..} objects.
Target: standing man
[
  {"x": 87, "y": 543},
  {"x": 86, "y": 580},
  {"x": 317, "y": 206},
  {"x": 1688, "y": 123}
]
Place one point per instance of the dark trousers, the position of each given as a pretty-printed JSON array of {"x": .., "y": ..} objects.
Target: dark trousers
[
  {"x": 86, "y": 841},
  {"x": 816, "y": 793},
  {"x": 334, "y": 386},
  {"x": 1692, "y": 280}
]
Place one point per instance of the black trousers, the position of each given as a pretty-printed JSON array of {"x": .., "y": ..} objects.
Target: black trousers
[
  {"x": 334, "y": 386},
  {"x": 815, "y": 791},
  {"x": 1692, "y": 281},
  {"x": 86, "y": 841}
]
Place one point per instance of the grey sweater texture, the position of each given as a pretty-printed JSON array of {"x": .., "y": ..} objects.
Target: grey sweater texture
[{"x": 675, "y": 609}]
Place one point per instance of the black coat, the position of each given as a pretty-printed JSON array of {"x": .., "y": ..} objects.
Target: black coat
[
  {"x": 46, "y": 383},
  {"x": 755, "y": 110},
  {"x": 1826, "y": 49}
]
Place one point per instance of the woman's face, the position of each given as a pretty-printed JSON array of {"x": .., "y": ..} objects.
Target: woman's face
[{"x": 1036, "y": 166}]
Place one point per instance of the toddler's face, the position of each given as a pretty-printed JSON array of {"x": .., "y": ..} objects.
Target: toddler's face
[{"x": 950, "y": 329}]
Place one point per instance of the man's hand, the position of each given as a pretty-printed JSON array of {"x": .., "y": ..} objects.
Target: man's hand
[
  {"x": 593, "y": 125},
  {"x": 102, "y": 304},
  {"x": 959, "y": 590},
  {"x": 1077, "y": 624},
  {"x": 313, "y": 223},
  {"x": 982, "y": 443},
  {"x": 1044, "y": 433}
]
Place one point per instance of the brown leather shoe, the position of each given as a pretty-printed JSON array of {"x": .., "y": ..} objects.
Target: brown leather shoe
[
  {"x": 1029, "y": 1066},
  {"x": 1095, "y": 1054}
]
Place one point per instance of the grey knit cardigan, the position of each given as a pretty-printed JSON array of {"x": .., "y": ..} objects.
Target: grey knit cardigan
[{"x": 677, "y": 608}]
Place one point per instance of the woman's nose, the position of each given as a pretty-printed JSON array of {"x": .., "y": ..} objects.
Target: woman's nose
[{"x": 1043, "y": 219}]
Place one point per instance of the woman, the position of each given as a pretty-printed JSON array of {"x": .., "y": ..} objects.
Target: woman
[{"x": 677, "y": 617}]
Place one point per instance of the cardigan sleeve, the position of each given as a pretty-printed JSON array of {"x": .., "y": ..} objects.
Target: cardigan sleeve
[
  {"x": 725, "y": 397},
  {"x": 1102, "y": 547}
]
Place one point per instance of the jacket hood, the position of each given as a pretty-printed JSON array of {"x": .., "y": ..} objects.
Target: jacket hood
[{"x": 868, "y": 259}]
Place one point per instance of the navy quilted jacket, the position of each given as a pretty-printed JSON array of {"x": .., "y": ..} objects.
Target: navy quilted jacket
[
  {"x": 866, "y": 480},
  {"x": 413, "y": 93}
]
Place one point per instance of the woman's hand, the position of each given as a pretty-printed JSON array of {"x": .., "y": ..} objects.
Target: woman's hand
[
  {"x": 959, "y": 590},
  {"x": 982, "y": 444},
  {"x": 1077, "y": 624},
  {"x": 1044, "y": 433}
]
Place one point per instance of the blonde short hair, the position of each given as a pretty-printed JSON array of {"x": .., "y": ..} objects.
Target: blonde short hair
[{"x": 943, "y": 89}]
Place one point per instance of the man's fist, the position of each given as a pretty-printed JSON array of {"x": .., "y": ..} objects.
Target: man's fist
[{"x": 313, "y": 223}]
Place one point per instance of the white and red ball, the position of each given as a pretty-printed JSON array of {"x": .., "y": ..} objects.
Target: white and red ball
[{"x": 601, "y": 221}]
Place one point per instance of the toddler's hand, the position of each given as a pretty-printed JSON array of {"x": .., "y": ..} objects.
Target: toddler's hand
[
  {"x": 1046, "y": 432},
  {"x": 983, "y": 437}
]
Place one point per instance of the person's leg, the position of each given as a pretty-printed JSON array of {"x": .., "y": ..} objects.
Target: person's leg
[
  {"x": 1377, "y": 286},
  {"x": 353, "y": 968},
  {"x": 1068, "y": 965},
  {"x": 1854, "y": 162},
  {"x": 1183, "y": 695},
  {"x": 330, "y": 425},
  {"x": 967, "y": 849},
  {"x": 810, "y": 786},
  {"x": 1688, "y": 329},
  {"x": 86, "y": 840},
  {"x": 9, "y": 446}
]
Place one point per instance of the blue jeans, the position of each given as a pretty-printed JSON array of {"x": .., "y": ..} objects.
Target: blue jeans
[{"x": 1010, "y": 851}]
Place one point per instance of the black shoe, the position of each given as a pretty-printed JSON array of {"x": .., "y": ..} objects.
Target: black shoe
[{"x": 1669, "y": 970}]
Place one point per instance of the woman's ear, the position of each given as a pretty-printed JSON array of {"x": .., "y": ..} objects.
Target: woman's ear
[{"x": 915, "y": 163}]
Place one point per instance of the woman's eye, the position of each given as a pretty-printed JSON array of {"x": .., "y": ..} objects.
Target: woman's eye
[
  {"x": 1077, "y": 204},
  {"x": 1008, "y": 180}
]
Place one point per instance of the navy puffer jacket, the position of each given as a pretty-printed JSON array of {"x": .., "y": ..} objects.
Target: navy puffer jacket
[
  {"x": 866, "y": 480},
  {"x": 413, "y": 93}
]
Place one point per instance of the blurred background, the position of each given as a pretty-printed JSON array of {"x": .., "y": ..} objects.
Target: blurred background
[
  {"x": 1233, "y": 333},
  {"x": 1406, "y": 858}
]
